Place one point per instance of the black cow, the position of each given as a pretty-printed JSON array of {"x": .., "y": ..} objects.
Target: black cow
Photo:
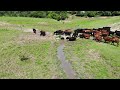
[
  {"x": 42, "y": 33},
  {"x": 62, "y": 38},
  {"x": 71, "y": 38},
  {"x": 107, "y": 28},
  {"x": 34, "y": 30},
  {"x": 117, "y": 33},
  {"x": 77, "y": 31},
  {"x": 111, "y": 33},
  {"x": 59, "y": 32}
]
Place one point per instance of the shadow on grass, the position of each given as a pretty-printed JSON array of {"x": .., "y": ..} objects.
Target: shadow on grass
[{"x": 24, "y": 58}]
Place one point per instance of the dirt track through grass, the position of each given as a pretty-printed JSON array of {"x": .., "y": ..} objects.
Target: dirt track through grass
[{"x": 64, "y": 63}]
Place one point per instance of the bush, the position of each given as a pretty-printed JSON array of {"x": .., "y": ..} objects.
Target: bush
[{"x": 58, "y": 15}]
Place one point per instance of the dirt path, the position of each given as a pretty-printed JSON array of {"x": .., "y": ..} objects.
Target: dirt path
[
  {"x": 115, "y": 26},
  {"x": 64, "y": 63}
]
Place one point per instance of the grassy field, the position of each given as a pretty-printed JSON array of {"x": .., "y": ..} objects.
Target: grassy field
[
  {"x": 25, "y": 55},
  {"x": 52, "y": 25},
  {"x": 93, "y": 60}
]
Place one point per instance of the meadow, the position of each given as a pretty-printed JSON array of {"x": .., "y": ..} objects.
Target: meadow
[{"x": 26, "y": 55}]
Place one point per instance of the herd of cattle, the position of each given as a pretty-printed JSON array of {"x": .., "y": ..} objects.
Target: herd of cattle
[
  {"x": 42, "y": 33},
  {"x": 98, "y": 34}
]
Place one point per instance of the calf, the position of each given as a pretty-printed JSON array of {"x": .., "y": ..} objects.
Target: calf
[
  {"x": 42, "y": 33},
  {"x": 34, "y": 30}
]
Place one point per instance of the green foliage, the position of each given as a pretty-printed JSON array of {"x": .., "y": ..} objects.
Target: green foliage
[
  {"x": 91, "y": 13},
  {"x": 38, "y": 14},
  {"x": 81, "y": 13},
  {"x": 58, "y": 15}
]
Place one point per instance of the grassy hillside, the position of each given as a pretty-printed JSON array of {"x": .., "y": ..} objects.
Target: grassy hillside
[{"x": 52, "y": 25}]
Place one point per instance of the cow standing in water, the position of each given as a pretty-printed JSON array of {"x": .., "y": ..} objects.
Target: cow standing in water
[{"x": 34, "y": 30}]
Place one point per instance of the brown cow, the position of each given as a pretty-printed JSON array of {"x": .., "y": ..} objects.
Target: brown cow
[
  {"x": 104, "y": 32},
  {"x": 107, "y": 39},
  {"x": 97, "y": 36},
  {"x": 88, "y": 31},
  {"x": 115, "y": 39},
  {"x": 68, "y": 32},
  {"x": 86, "y": 36}
]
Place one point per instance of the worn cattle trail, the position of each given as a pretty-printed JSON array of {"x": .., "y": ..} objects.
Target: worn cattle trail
[{"x": 64, "y": 63}]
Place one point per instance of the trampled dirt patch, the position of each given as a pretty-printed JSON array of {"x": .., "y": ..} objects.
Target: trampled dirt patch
[
  {"x": 4, "y": 23},
  {"x": 29, "y": 37},
  {"x": 115, "y": 26}
]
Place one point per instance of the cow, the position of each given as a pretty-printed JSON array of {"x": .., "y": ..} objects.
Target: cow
[
  {"x": 107, "y": 28},
  {"x": 97, "y": 36},
  {"x": 78, "y": 31},
  {"x": 75, "y": 34},
  {"x": 71, "y": 38},
  {"x": 34, "y": 30},
  {"x": 68, "y": 32},
  {"x": 104, "y": 33},
  {"x": 111, "y": 33},
  {"x": 67, "y": 38},
  {"x": 88, "y": 31},
  {"x": 42, "y": 33},
  {"x": 62, "y": 38},
  {"x": 59, "y": 32},
  {"x": 107, "y": 39},
  {"x": 81, "y": 35},
  {"x": 115, "y": 39},
  {"x": 86, "y": 36},
  {"x": 117, "y": 33}
]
